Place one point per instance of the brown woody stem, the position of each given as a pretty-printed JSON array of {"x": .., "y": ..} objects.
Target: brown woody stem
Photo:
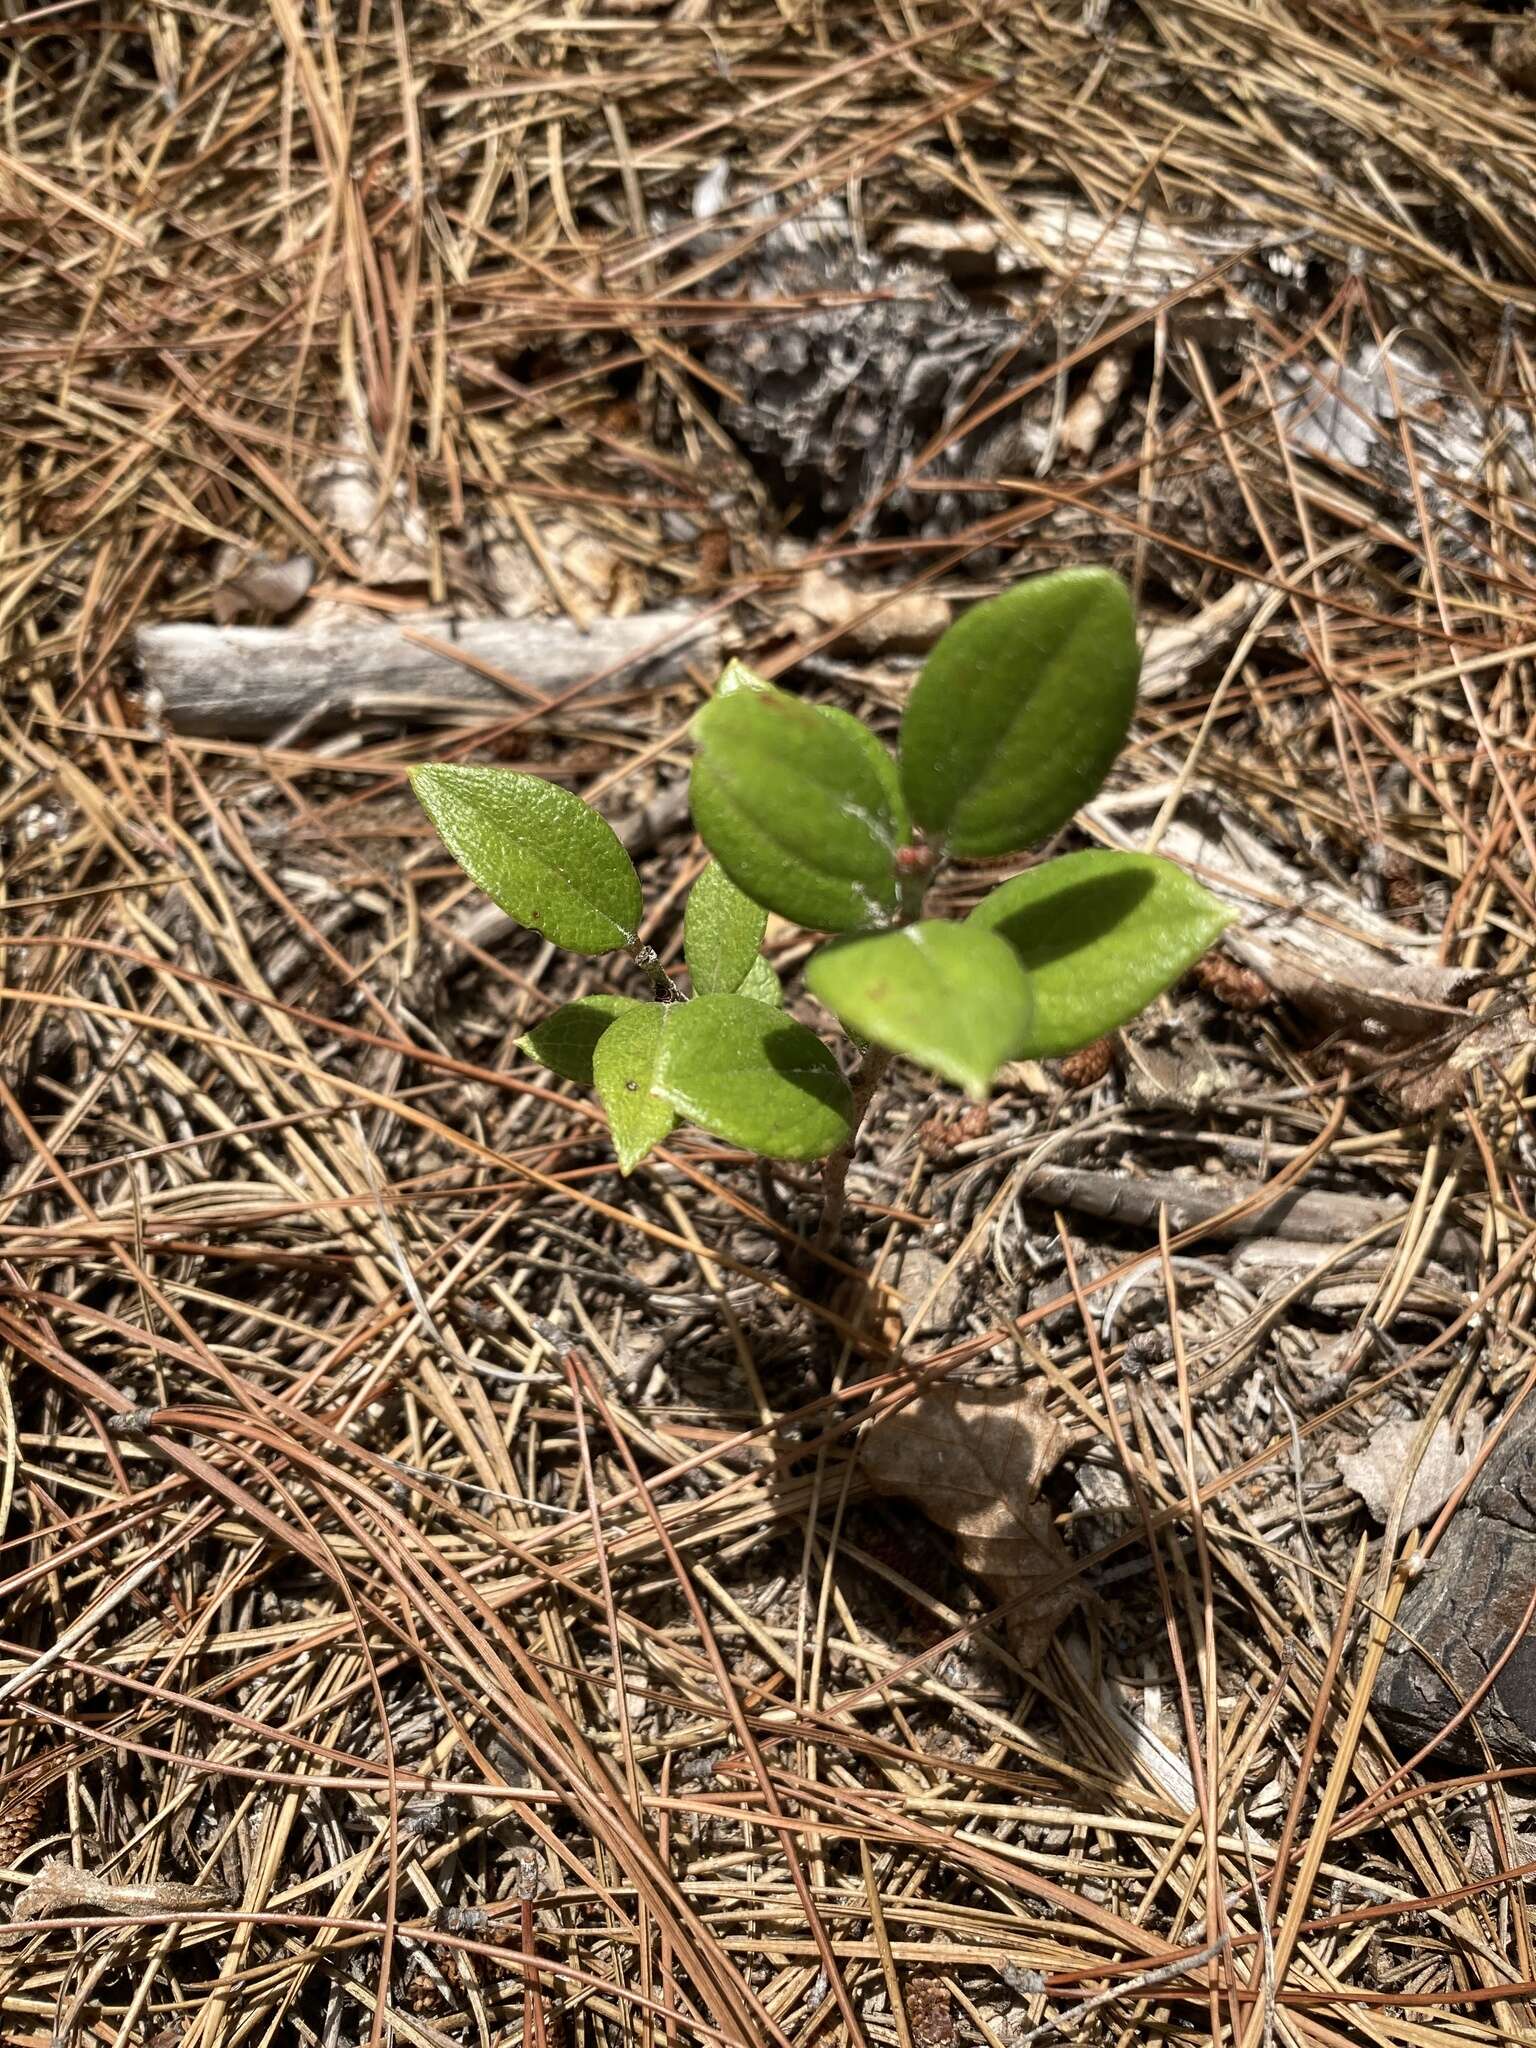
[
  {"x": 663, "y": 987},
  {"x": 834, "y": 1173}
]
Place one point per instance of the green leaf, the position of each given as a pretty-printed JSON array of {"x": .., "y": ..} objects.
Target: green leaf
[
  {"x": 801, "y": 807},
  {"x": 624, "y": 1067},
  {"x": 567, "y": 1038},
  {"x": 543, "y": 855},
  {"x": 879, "y": 759},
  {"x": 762, "y": 984},
  {"x": 1101, "y": 934},
  {"x": 722, "y": 930},
  {"x": 950, "y": 996},
  {"x": 737, "y": 676},
  {"x": 754, "y": 1077},
  {"x": 1019, "y": 712}
]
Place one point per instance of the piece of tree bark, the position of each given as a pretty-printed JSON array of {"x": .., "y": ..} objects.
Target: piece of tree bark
[
  {"x": 1462, "y": 1612},
  {"x": 250, "y": 682}
]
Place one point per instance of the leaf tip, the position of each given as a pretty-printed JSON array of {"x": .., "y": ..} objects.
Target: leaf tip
[{"x": 737, "y": 676}]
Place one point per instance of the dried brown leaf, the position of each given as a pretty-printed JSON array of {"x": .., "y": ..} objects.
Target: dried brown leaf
[
  {"x": 973, "y": 1459},
  {"x": 1376, "y": 1471}
]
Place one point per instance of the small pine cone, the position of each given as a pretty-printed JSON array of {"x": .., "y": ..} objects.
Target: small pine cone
[
  {"x": 19, "y": 1823},
  {"x": 930, "y": 2011},
  {"x": 1404, "y": 883},
  {"x": 941, "y": 1136},
  {"x": 423, "y": 1997},
  {"x": 712, "y": 561},
  {"x": 1088, "y": 1066},
  {"x": 1238, "y": 987}
]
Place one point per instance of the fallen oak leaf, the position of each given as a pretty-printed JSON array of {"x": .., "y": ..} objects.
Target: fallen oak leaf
[
  {"x": 973, "y": 1459},
  {"x": 969, "y": 1454}
]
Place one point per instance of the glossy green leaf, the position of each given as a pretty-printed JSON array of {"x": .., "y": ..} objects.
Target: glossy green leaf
[
  {"x": 624, "y": 1068},
  {"x": 722, "y": 930},
  {"x": 1019, "y": 712},
  {"x": 567, "y": 1039},
  {"x": 1101, "y": 934},
  {"x": 762, "y": 984},
  {"x": 801, "y": 807},
  {"x": 950, "y": 996},
  {"x": 538, "y": 851},
  {"x": 754, "y": 1077}
]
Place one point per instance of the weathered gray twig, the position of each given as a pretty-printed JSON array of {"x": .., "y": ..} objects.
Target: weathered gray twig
[
  {"x": 249, "y": 682},
  {"x": 1319, "y": 1218}
]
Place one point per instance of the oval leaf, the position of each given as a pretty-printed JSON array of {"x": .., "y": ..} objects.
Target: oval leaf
[
  {"x": 881, "y": 762},
  {"x": 722, "y": 930},
  {"x": 567, "y": 1039},
  {"x": 1019, "y": 712},
  {"x": 801, "y": 807},
  {"x": 762, "y": 984},
  {"x": 754, "y": 1077},
  {"x": 538, "y": 851},
  {"x": 932, "y": 991},
  {"x": 624, "y": 1068},
  {"x": 1100, "y": 934}
]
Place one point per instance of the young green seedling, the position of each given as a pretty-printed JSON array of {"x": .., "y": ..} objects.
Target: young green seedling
[{"x": 1013, "y": 724}]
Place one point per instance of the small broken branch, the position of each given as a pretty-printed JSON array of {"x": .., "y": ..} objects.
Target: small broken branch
[{"x": 249, "y": 682}]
